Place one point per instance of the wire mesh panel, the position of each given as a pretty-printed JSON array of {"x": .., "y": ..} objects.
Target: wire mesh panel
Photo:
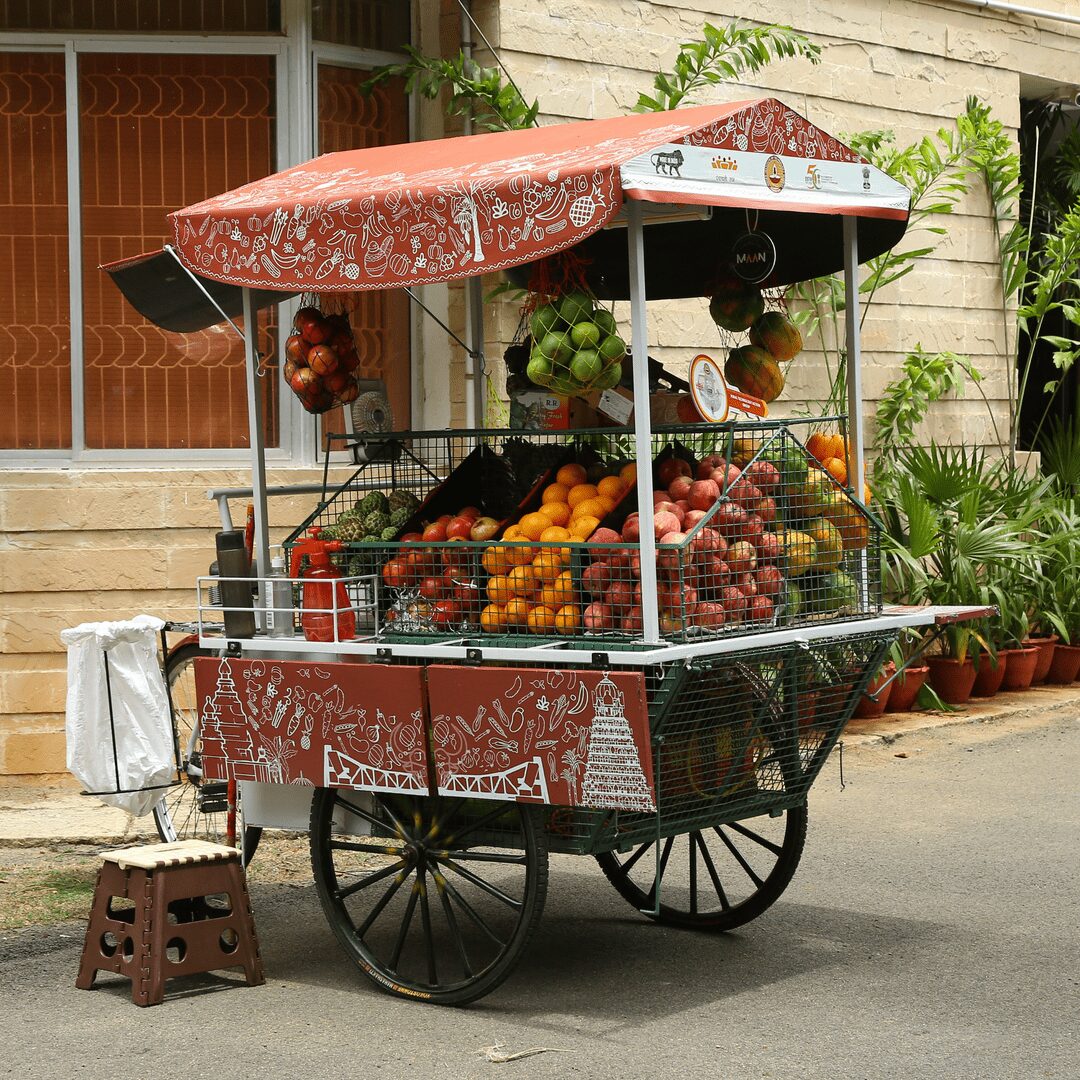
[
  {"x": 734, "y": 737},
  {"x": 503, "y": 537}
]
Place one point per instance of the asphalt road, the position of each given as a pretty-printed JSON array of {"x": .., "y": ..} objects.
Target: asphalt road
[{"x": 931, "y": 932}]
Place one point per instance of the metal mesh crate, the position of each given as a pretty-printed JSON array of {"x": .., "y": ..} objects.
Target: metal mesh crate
[
  {"x": 734, "y": 737},
  {"x": 752, "y": 535}
]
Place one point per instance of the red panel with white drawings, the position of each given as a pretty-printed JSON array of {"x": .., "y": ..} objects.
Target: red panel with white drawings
[{"x": 558, "y": 737}]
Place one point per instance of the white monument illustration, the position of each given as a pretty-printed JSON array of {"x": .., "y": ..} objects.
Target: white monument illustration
[
  {"x": 614, "y": 779},
  {"x": 226, "y": 734}
]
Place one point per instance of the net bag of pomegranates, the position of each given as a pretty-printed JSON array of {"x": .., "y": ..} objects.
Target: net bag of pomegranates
[{"x": 321, "y": 361}]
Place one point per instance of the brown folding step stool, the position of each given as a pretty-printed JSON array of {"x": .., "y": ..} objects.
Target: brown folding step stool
[{"x": 170, "y": 924}]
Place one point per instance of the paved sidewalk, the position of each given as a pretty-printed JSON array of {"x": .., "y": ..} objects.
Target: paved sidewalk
[{"x": 58, "y": 814}]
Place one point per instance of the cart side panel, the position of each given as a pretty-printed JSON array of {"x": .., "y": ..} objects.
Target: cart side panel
[
  {"x": 553, "y": 736},
  {"x": 313, "y": 723}
]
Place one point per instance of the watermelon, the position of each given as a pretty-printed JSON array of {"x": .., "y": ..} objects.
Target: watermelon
[
  {"x": 777, "y": 334},
  {"x": 754, "y": 371}
]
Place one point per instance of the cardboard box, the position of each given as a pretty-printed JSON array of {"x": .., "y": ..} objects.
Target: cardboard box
[
  {"x": 617, "y": 406},
  {"x": 541, "y": 410}
]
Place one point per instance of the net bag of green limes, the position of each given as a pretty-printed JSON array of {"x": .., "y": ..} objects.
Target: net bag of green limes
[{"x": 576, "y": 347}]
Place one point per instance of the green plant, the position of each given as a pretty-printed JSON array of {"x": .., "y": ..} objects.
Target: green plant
[
  {"x": 1061, "y": 456},
  {"x": 721, "y": 54},
  {"x": 495, "y": 105}
]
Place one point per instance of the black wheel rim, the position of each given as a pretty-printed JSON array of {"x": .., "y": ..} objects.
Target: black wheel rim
[
  {"x": 439, "y": 899},
  {"x": 712, "y": 878}
]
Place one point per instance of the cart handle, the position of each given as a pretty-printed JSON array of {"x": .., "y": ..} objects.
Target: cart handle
[{"x": 223, "y": 495}]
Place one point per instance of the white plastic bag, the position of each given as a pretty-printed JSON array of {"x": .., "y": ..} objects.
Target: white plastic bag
[{"x": 140, "y": 712}]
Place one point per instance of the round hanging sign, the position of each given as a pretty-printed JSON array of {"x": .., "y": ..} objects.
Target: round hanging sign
[
  {"x": 708, "y": 388},
  {"x": 753, "y": 257}
]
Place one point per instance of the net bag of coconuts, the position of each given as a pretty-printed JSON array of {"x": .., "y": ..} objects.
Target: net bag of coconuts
[{"x": 321, "y": 361}]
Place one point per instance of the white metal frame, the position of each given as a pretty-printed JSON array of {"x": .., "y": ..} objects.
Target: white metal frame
[{"x": 295, "y": 55}]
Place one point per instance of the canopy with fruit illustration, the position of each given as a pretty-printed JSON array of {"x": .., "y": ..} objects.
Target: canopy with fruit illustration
[{"x": 424, "y": 212}]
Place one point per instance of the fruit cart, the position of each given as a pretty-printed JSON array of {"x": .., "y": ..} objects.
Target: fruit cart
[{"x": 493, "y": 645}]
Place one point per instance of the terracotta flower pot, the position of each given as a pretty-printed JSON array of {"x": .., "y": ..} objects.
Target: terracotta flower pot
[
  {"x": 905, "y": 689},
  {"x": 1019, "y": 668},
  {"x": 868, "y": 707},
  {"x": 1065, "y": 666},
  {"x": 952, "y": 679},
  {"x": 1045, "y": 645},
  {"x": 989, "y": 675}
]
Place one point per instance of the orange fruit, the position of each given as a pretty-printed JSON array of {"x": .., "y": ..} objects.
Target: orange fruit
[
  {"x": 522, "y": 581},
  {"x": 562, "y": 589},
  {"x": 628, "y": 474},
  {"x": 568, "y": 619},
  {"x": 520, "y": 555},
  {"x": 516, "y": 612},
  {"x": 558, "y": 513},
  {"x": 611, "y": 486},
  {"x": 532, "y": 525},
  {"x": 547, "y": 566},
  {"x": 513, "y": 533},
  {"x": 555, "y": 493},
  {"x": 569, "y": 475},
  {"x": 555, "y": 535},
  {"x": 494, "y": 560},
  {"x": 818, "y": 445},
  {"x": 579, "y": 493},
  {"x": 498, "y": 589},
  {"x": 493, "y": 618},
  {"x": 595, "y": 507},
  {"x": 837, "y": 469},
  {"x": 541, "y": 620},
  {"x": 583, "y": 527}
]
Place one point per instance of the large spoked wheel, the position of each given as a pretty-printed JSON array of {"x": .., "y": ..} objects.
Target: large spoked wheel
[
  {"x": 194, "y": 809},
  {"x": 712, "y": 879},
  {"x": 438, "y": 900}
]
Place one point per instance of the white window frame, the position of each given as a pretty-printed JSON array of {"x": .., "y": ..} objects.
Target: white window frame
[{"x": 295, "y": 56}]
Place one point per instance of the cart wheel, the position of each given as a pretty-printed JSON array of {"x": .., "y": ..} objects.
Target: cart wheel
[
  {"x": 194, "y": 810},
  {"x": 713, "y": 879},
  {"x": 435, "y": 899}
]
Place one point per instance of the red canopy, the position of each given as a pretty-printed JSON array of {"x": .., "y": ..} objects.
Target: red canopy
[{"x": 418, "y": 213}]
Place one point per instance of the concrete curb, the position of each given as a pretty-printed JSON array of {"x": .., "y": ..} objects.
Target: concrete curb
[{"x": 55, "y": 816}]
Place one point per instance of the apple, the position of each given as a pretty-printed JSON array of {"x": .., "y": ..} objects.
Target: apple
[
  {"x": 766, "y": 510},
  {"x": 303, "y": 379},
  {"x": 445, "y": 518},
  {"x": 670, "y": 623},
  {"x": 769, "y": 581},
  {"x": 687, "y": 411},
  {"x": 459, "y": 528},
  {"x": 726, "y": 476},
  {"x": 712, "y": 573},
  {"x": 746, "y": 585},
  {"x": 769, "y": 548},
  {"x": 683, "y": 507},
  {"x": 433, "y": 588},
  {"x": 466, "y": 592},
  {"x": 671, "y": 468},
  {"x": 458, "y": 559},
  {"x": 619, "y": 597},
  {"x": 446, "y": 612},
  {"x": 598, "y": 617},
  {"x": 703, "y": 494},
  {"x": 666, "y": 522},
  {"x": 667, "y": 507},
  {"x": 633, "y": 622},
  {"x": 742, "y": 557},
  {"x": 692, "y": 518},
  {"x": 733, "y": 603},
  {"x": 412, "y": 538},
  {"x": 753, "y": 529},
  {"x": 435, "y": 533},
  {"x": 710, "y": 615},
  {"x": 745, "y": 493},
  {"x": 672, "y": 553},
  {"x": 679, "y": 488},
  {"x": 764, "y": 474},
  {"x": 605, "y": 536},
  {"x": 631, "y": 530},
  {"x": 484, "y": 528},
  {"x": 706, "y": 541},
  {"x": 469, "y": 512},
  {"x": 672, "y": 596},
  {"x": 296, "y": 350},
  {"x": 635, "y": 566},
  {"x": 730, "y": 520},
  {"x": 707, "y": 464},
  {"x": 760, "y": 609},
  {"x": 596, "y": 578}
]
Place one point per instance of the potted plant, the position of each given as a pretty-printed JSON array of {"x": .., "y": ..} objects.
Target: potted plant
[
  {"x": 1061, "y": 597},
  {"x": 906, "y": 655},
  {"x": 1041, "y": 635},
  {"x": 1015, "y": 624},
  {"x": 873, "y": 700}
]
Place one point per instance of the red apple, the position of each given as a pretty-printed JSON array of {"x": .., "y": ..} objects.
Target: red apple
[
  {"x": 619, "y": 597},
  {"x": 733, "y": 602},
  {"x": 469, "y": 512},
  {"x": 631, "y": 530},
  {"x": 671, "y": 468},
  {"x": 599, "y": 617},
  {"x": 672, "y": 552},
  {"x": 483, "y": 528},
  {"x": 711, "y": 616},
  {"x": 318, "y": 331},
  {"x": 633, "y": 622},
  {"x": 605, "y": 536},
  {"x": 692, "y": 518},
  {"x": 679, "y": 488},
  {"x": 766, "y": 510},
  {"x": 769, "y": 548},
  {"x": 433, "y": 588},
  {"x": 712, "y": 573},
  {"x": 687, "y": 411},
  {"x": 708, "y": 464},
  {"x": 764, "y": 474},
  {"x": 683, "y": 507},
  {"x": 703, "y": 494},
  {"x": 596, "y": 578},
  {"x": 745, "y": 493},
  {"x": 707, "y": 540},
  {"x": 666, "y": 522},
  {"x": 746, "y": 585},
  {"x": 730, "y": 519},
  {"x": 760, "y": 609},
  {"x": 459, "y": 528},
  {"x": 670, "y": 623},
  {"x": 753, "y": 529},
  {"x": 726, "y": 476},
  {"x": 769, "y": 581},
  {"x": 446, "y": 612}
]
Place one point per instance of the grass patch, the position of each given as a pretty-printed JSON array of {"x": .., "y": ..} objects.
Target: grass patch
[{"x": 35, "y": 897}]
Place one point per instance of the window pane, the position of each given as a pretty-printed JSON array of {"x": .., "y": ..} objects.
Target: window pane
[
  {"x": 349, "y": 121},
  {"x": 35, "y": 330},
  {"x": 158, "y": 133},
  {"x": 144, "y": 16},
  {"x": 369, "y": 24}
]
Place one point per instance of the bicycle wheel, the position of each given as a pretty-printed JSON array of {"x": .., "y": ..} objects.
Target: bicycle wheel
[
  {"x": 712, "y": 879},
  {"x": 434, "y": 899},
  {"x": 194, "y": 809}
]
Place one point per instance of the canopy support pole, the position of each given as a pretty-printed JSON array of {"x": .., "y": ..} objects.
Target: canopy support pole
[
  {"x": 261, "y": 550},
  {"x": 639, "y": 333},
  {"x": 856, "y": 472}
]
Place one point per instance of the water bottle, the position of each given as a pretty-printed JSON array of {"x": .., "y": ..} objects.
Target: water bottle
[
  {"x": 279, "y": 613},
  {"x": 233, "y": 562}
]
